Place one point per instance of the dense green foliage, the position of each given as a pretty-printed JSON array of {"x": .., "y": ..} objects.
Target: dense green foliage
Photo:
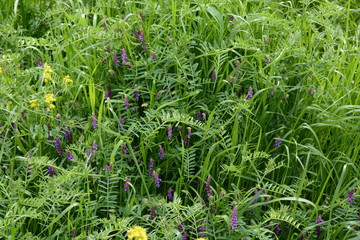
[{"x": 80, "y": 122}]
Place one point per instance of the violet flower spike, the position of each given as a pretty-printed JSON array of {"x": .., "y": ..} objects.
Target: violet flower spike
[
  {"x": 250, "y": 94},
  {"x": 161, "y": 152},
  {"x": 104, "y": 27},
  {"x": 351, "y": 196},
  {"x": 186, "y": 142},
  {"x": 137, "y": 94},
  {"x": 233, "y": 221},
  {"x": 94, "y": 121},
  {"x": 68, "y": 134},
  {"x": 154, "y": 58},
  {"x": 151, "y": 167},
  {"x": 152, "y": 212},
  {"x": 169, "y": 132},
  {"x": 124, "y": 56},
  {"x": 213, "y": 75},
  {"x": 39, "y": 63},
  {"x": 108, "y": 168},
  {"x": 95, "y": 147},
  {"x": 189, "y": 132},
  {"x": 51, "y": 171},
  {"x": 126, "y": 103},
  {"x": 57, "y": 146},
  {"x": 116, "y": 60},
  {"x": 277, "y": 229},
  {"x": 123, "y": 149},
  {"x": 277, "y": 142},
  {"x": 157, "y": 180},
  {"x": 209, "y": 192},
  {"x": 170, "y": 194},
  {"x": 126, "y": 184},
  {"x": 318, "y": 228},
  {"x": 199, "y": 116},
  {"x": 121, "y": 120},
  {"x": 202, "y": 230},
  {"x": 69, "y": 156}
]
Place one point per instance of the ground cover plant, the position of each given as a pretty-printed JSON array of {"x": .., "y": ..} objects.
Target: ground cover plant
[{"x": 179, "y": 119}]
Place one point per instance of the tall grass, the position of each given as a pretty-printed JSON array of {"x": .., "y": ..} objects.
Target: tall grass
[{"x": 255, "y": 105}]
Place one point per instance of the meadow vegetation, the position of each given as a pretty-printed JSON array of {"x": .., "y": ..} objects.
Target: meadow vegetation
[{"x": 179, "y": 119}]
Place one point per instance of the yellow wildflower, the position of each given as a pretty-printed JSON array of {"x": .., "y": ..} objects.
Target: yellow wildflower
[
  {"x": 200, "y": 239},
  {"x": 47, "y": 73},
  {"x": 67, "y": 79},
  {"x": 52, "y": 106},
  {"x": 10, "y": 102},
  {"x": 71, "y": 122},
  {"x": 49, "y": 98},
  {"x": 33, "y": 103},
  {"x": 137, "y": 233},
  {"x": 1, "y": 69}
]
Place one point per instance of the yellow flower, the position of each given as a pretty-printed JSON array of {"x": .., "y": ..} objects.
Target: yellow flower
[
  {"x": 33, "y": 103},
  {"x": 49, "y": 98},
  {"x": 1, "y": 69},
  {"x": 138, "y": 233},
  {"x": 47, "y": 73},
  {"x": 200, "y": 239},
  {"x": 67, "y": 79},
  {"x": 10, "y": 102},
  {"x": 52, "y": 106},
  {"x": 71, "y": 122}
]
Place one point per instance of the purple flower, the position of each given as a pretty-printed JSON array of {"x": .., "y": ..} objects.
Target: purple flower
[
  {"x": 116, "y": 60},
  {"x": 277, "y": 142},
  {"x": 231, "y": 19},
  {"x": 151, "y": 167},
  {"x": 68, "y": 134},
  {"x": 267, "y": 59},
  {"x": 28, "y": 168},
  {"x": 22, "y": 114},
  {"x": 15, "y": 126},
  {"x": 169, "y": 132},
  {"x": 121, "y": 120},
  {"x": 123, "y": 149},
  {"x": 108, "y": 92},
  {"x": 154, "y": 58},
  {"x": 57, "y": 146},
  {"x": 351, "y": 196},
  {"x": 107, "y": 48},
  {"x": 311, "y": 91},
  {"x": 250, "y": 94},
  {"x": 202, "y": 230},
  {"x": 126, "y": 103},
  {"x": 267, "y": 41},
  {"x": 157, "y": 180},
  {"x": 124, "y": 56},
  {"x": 94, "y": 121},
  {"x": 318, "y": 228},
  {"x": 69, "y": 155},
  {"x": 209, "y": 192},
  {"x": 170, "y": 194},
  {"x": 182, "y": 231},
  {"x": 140, "y": 37},
  {"x": 277, "y": 229},
  {"x": 51, "y": 171},
  {"x": 256, "y": 199},
  {"x": 127, "y": 184},
  {"x": 161, "y": 152},
  {"x": 189, "y": 132},
  {"x": 186, "y": 142},
  {"x": 104, "y": 27},
  {"x": 137, "y": 94},
  {"x": 233, "y": 221},
  {"x": 108, "y": 168},
  {"x": 152, "y": 212},
  {"x": 213, "y": 75},
  {"x": 95, "y": 147},
  {"x": 199, "y": 116},
  {"x": 39, "y": 63}
]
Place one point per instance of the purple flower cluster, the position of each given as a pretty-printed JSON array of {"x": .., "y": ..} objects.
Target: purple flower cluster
[
  {"x": 250, "y": 94},
  {"x": 127, "y": 184},
  {"x": 57, "y": 146},
  {"x": 233, "y": 221},
  {"x": 202, "y": 230},
  {"x": 51, "y": 171},
  {"x": 126, "y": 103},
  {"x": 161, "y": 152},
  {"x": 139, "y": 34},
  {"x": 209, "y": 192},
  {"x": 318, "y": 228},
  {"x": 152, "y": 212},
  {"x": 157, "y": 180},
  {"x": 108, "y": 92},
  {"x": 151, "y": 167},
  {"x": 182, "y": 231},
  {"x": 169, "y": 132},
  {"x": 277, "y": 230},
  {"x": 123, "y": 149},
  {"x": 137, "y": 93},
  {"x": 39, "y": 63},
  {"x": 170, "y": 194},
  {"x": 108, "y": 167},
  {"x": 277, "y": 142},
  {"x": 116, "y": 60},
  {"x": 124, "y": 58},
  {"x": 93, "y": 150},
  {"x": 94, "y": 121},
  {"x": 69, "y": 155},
  {"x": 68, "y": 134},
  {"x": 213, "y": 75},
  {"x": 351, "y": 196},
  {"x": 153, "y": 57}
]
